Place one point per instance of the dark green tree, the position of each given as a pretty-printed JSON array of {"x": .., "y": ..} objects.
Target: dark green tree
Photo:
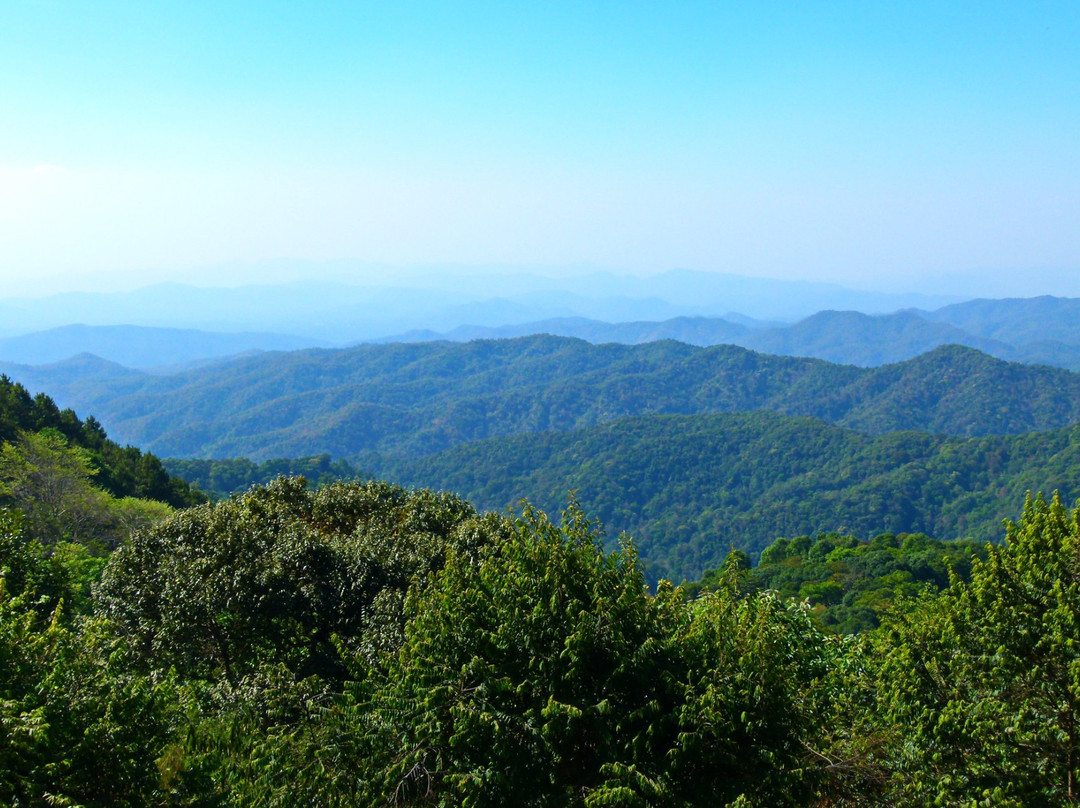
[{"x": 281, "y": 575}]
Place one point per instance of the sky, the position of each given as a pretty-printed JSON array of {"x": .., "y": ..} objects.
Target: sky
[{"x": 922, "y": 146}]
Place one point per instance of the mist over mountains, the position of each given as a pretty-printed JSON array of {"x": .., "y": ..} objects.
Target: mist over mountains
[
  {"x": 1044, "y": 330},
  {"x": 338, "y": 313},
  {"x": 143, "y": 347}
]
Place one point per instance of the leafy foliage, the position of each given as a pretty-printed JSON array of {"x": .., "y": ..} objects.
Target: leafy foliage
[
  {"x": 362, "y": 644},
  {"x": 279, "y": 576},
  {"x": 984, "y": 675},
  {"x": 850, "y": 583},
  {"x": 52, "y": 484},
  {"x": 77, "y": 725},
  {"x": 365, "y": 644},
  {"x": 542, "y": 672}
]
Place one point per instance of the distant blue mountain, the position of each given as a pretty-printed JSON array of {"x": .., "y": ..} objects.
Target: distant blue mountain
[
  {"x": 691, "y": 330},
  {"x": 339, "y": 313},
  {"x": 140, "y": 346},
  {"x": 845, "y": 337},
  {"x": 1017, "y": 321}
]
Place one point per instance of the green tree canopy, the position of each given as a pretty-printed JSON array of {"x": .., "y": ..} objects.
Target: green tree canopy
[
  {"x": 546, "y": 674},
  {"x": 280, "y": 575}
]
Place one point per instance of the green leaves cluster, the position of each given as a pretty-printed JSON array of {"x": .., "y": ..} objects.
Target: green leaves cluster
[
  {"x": 78, "y": 725},
  {"x": 279, "y": 576},
  {"x": 53, "y": 484},
  {"x": 541, "y": 671},
  {"x": 849, "y": 583}
]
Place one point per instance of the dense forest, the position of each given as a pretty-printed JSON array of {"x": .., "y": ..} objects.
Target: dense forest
[
  {"x": 410, "y": 400},
  {"x": 848, "y": 584},
  {"x": 221, "y": 478},
  {"x": 689, "y": 488}
]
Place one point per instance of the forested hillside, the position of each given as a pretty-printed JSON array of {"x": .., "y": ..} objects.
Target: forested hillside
[
  {"x": 421, "y": 398},
  {"x": 690, "y": 488},
  {"x": 76, "y": 492},
  {"x": 221, "y": 478},
  {"x": 848, "y": 583},
  {"x": 366, "y": 644},
  {"x": 1018, "y": 321},
  {"x": 854, "y": 338},
  {"x": 121, "y": 471}
]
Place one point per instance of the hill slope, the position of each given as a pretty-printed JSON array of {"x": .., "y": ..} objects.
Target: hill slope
[
  {"x": 121, "y": 471},
  {"x": 689, "y": 488},
  {"x": 867, "y": 340},
  {"x": 1017, "y": 321}
]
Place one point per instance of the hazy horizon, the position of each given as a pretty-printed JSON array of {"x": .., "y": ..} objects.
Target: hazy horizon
[{"x": 276, "y": 272}]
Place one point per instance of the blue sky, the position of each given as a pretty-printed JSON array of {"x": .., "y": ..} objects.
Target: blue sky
[{"x": 896, "y": 146}]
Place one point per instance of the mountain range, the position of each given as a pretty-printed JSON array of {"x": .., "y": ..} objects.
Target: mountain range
[
  {"x": 339, "y": 312},
  {"x": 693, "y": 428},
  {"x": 414, "y": 399},
  {"x": 1042, "y": 330}
]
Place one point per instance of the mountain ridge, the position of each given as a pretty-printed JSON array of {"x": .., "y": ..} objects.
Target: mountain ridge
[
  {"x": 419, "y": 398},
  {"x": 841, "y": 336}
]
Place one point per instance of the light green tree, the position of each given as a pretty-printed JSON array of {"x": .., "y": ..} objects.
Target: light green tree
[
  {"x": 52, "y": 483},
  {"x": 982, "y": 684},
  {"x": 77, "y": 725}
]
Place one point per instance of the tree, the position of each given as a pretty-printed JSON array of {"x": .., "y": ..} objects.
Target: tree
[
  {"x": 53, "y": 484},
  {"x": 50, "y": 482},
  {"x": 77, "y": 725},
  {"x": 279, "y": 576},
  {"x": 982, "y": 682},
  {"x": 546, "y": 674}
]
